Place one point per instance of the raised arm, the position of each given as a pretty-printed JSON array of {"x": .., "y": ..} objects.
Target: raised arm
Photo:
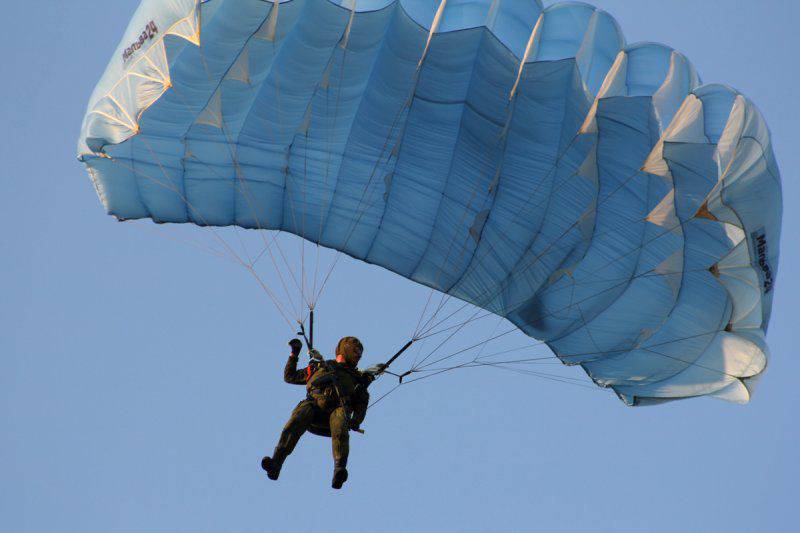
[{"x": 290, "y": 373}]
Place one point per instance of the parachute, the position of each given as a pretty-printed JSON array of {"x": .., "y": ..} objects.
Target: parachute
[{"x": 525, "y": 160}]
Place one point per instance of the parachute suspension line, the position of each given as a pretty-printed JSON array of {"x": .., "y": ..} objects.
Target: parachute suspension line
[
  {"x": 381, "y": 398},
  {"x": 638, "y": 247},
  {"x": 329, "y": 151},
  {"x": 305, "y": 126},
  {"x": 444, "y": 299},
  {"x": 554, "y": 358},
  {"x": 458, "y": 352},
  {"x": 504, "y": 137},
  {"x": 361, "y": 210},
  {"x": 539, "y": 359},
  {"x": 429, "y": 328},
  {"x": 477, "y": 362},
  {"x": 477, "y": 314},
  {"x": 242, "y": 184},
  {"x": 239, "y": 175},
  {"x": 272, "y": 21},
  {"x": 650, "y": 349},
  {"x": 538, "y": 257},
  {"x": 485, "y": 314},
  {"x": 214, "y": 232},
  {"x": 303, "y": 255},
  {"x": 530, "y": 207},
  {"x": 267, "y": 249},
  {"x": 417, "y": 328},
  {"x": 511, "y": 330},
  {"x": 302, "y": 285},
  {"x": 481, "y": 360},
  {"x": 623, "y": 281},
  {"x": 503, "y": 141},
  {"x": 482, "y": 346},
  {"x": 291, "y": 199},
  {"x": 203, "y": 247},
  {"x": 344, "y": 46},
  {"x": 442, "y": 343},
  {"x": 238, "y": 171},
  {"x": 578, "y": 382},
  {"x": 489, "y": 295},
  {"x": 418, "y": 354},
  {"x": 512, "y": 99}
]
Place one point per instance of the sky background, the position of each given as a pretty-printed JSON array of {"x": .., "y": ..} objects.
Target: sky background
[{"x": 140, "y": 378}]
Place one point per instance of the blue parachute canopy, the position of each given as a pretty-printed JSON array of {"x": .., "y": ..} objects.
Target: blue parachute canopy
[{"x": 522, "y": 159}]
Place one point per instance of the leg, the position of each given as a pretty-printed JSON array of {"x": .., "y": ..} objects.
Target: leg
[
  {"x": 340, "y": 440},
  {"x": 298, "y": 423}
]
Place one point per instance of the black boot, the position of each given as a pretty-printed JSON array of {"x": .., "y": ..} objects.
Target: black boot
[
  {"x": 272, "y": 465},
  {"x": 339, "y": 477}
]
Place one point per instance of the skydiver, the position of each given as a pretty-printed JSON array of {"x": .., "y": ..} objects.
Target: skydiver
[{"x": 336, "y": 402}]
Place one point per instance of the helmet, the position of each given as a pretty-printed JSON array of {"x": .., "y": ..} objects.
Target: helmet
[{"x": 350, "y": 348}]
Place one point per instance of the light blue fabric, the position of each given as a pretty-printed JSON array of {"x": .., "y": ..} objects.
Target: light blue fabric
[{"x": 521, "y": 159}]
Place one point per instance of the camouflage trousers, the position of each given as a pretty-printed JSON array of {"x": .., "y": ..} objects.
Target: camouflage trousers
[{"x": 308, "y": 413}]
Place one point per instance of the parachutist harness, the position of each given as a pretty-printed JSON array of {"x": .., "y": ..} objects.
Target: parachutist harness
[
  {"x": 332, "y": 376},
  {"x": 331, "y": 372}
]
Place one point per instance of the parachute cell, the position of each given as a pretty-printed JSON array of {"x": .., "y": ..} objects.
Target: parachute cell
[{"x": 522, "y": 159}]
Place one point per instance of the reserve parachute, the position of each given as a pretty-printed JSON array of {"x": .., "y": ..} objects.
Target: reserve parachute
[{"x": 525, "y": 160}]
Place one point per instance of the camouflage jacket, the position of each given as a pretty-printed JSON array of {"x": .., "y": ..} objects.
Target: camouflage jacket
[{"x": 317, "y": 378}]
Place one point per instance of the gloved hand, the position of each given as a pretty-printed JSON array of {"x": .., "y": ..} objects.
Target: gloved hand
[
  {"x": 354, "y": 426},
  {"x": 296, "y": 346},
  {"x": 375, "y": 370},
  {"x": 315, "y": 355}
]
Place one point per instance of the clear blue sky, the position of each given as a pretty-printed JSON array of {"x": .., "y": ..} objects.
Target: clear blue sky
[{"x": 140, "y": 379}]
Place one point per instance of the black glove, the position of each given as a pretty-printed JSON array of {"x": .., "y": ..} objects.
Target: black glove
[
  {"x": 354, "y": 426},
  {"x": 296, "y": 346}
]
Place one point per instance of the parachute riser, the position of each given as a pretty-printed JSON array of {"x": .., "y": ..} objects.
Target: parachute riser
[{"x": 393, "y": 358}]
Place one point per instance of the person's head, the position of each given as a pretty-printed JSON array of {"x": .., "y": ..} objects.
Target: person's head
[{"x": 349, "y": 350}]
